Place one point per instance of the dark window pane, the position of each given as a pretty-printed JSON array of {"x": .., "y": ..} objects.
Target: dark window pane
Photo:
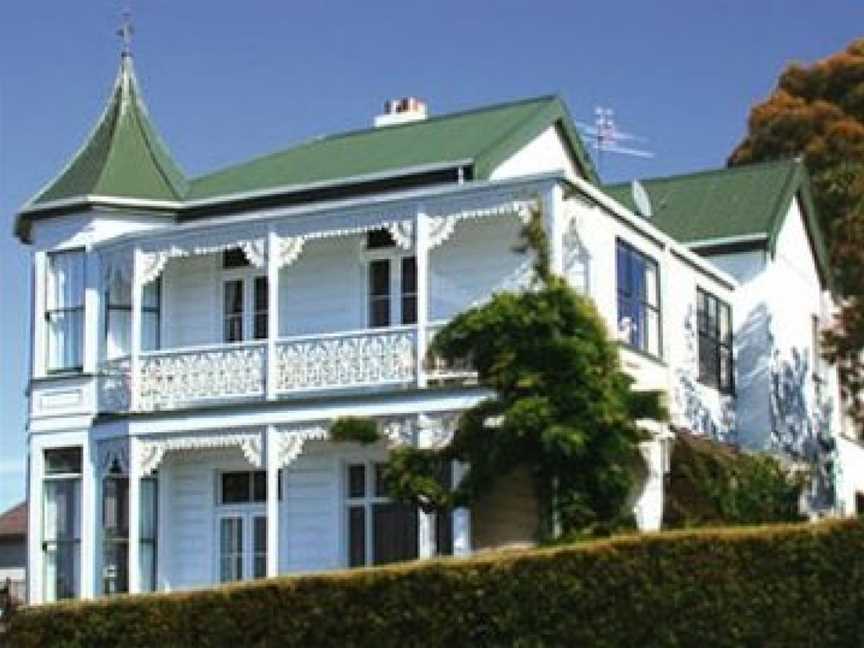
[
  {"x": 379, "y": 238},
  {"x": 115, "y": 509},
  {"x": 394, "y": 532},
  {"x": 444, "y": 534},
  {"x": 380, "y": 482},
  {"x": 259, "y": 486},
  {"x": 379, "y": 312},
  {"x": 356, "y": 480},
  {"x": 409, "y": 275},
  {"x": 261, "y": 303},
  {"x": 234, "y": 258},
  {"x": 379, "y": 278},
  {"x": 233, "y": 311},
  {"x": 235, "y": 487},
  {"x": 60, "y": 461},
  {"x": 356, "y": 536}
]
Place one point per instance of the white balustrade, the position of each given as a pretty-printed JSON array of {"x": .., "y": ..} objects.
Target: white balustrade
[
  {"x": 342, "y": 360},
  {"x": 439, "y": 369},
  {"x": 184, "y": 377},
  {"x": 187, "y": 377}
]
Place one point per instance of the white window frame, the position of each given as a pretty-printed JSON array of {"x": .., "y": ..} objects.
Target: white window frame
[
  {"x": 247, "y": 512},
  {"x": 246, "y": 276},
  {"x": 368, "y": 502},
  {"x": 394, "y": 255},
  {"x": 50, "y": 307}
]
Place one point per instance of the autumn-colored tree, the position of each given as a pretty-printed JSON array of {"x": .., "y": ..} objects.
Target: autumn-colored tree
[{"x": 817, "y": 112}]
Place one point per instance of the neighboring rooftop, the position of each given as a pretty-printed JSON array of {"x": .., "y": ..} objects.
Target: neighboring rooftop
[
  {"x": 719, "y": 203},
  {"x": 719, "y": 206},
  {"x": 13, "y": 522}
]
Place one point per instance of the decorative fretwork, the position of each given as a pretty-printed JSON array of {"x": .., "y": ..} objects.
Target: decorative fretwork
[
  {"x": 230, "y": 372},
  {"x": 113, "y": 456},
  {"x": 114, "y": 385},
  {"x": 288, "y": 441},
  {"x": 151, "y": 450},
  {"x": 346, "y": 360}
]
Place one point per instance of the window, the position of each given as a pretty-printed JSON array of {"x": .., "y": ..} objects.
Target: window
[
  {"x": 390, "y": 273},
  {"x": 115, "y": 534},
  {"x": 61, "y": 523},
  {"x": 379, "y": 531},
  {"x": 715, "y": 342},
  {"x": 118, "y": 317},
  {"x": 638, "y": 299},
  {"x": 64, "y": 310},
  {"x": 245, "y": 300},
  {"x": 242, "y": 525},
  {"x": 233, "y": 311},
  {"x": 245, "y": 487},
  {"x": 379, "y": 293}
]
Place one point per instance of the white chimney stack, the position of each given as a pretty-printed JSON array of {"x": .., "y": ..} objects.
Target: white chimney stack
[{"x": 402, "y": 111}]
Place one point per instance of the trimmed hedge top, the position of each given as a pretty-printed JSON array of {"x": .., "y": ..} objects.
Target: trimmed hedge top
[{"x": 785, "y": 585}]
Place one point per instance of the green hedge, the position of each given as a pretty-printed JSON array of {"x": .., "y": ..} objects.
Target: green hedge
[{"x": 784, "y": 585}]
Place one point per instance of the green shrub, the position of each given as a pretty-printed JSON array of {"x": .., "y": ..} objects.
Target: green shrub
[
  {"x": 786, "y": 585},
  {"x": 711, "y": 484}
]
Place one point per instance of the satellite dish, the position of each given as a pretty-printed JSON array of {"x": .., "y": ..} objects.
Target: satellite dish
[{"x": 641, "y": 199}]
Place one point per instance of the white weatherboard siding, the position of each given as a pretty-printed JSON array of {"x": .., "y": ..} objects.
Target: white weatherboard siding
[
  {"x": 546, "y": 152},
  {"x": 851, "y": 478},
  {"x": 323, "y": 291},
  {"x": 475, "y": 262},
  {"x": 312, "y": 511},
  {"x": 191, "y": 301}
]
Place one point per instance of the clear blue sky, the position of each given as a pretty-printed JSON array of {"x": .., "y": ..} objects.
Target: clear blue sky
[{"x": 225, "y": 81}]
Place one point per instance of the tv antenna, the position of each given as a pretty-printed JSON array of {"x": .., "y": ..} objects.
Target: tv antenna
[{"x": 603, "y": 136}]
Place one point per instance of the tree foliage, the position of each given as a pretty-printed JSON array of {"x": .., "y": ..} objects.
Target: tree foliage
[
  {"x": 712, "y": 484},
  {"x": 817, "y": 112},
  {"x": 562, "y": 406}
]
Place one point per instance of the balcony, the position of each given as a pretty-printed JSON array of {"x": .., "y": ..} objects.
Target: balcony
[{"x": 302, "y": 365}]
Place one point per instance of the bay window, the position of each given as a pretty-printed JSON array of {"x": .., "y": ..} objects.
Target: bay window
[
  {"x": 61, "y": 523},
  {"x": 638, "y": 299},
  {"x": 715, "y": 342},
  {"x": 64, "y": 310},
  {"x": 115, "y": 534},
  {"x": 118, "y": 317}
]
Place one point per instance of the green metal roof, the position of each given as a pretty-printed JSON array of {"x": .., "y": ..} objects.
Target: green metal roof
[
  {"x": 124, "y": 156},
  {"x": 718, "y": 206},
  {"x": 486, "y": 136}
]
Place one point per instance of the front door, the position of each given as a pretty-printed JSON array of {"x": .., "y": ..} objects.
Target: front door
[{"x": 242, "y": 546}]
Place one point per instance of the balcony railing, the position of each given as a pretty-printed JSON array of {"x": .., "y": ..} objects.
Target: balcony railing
[{"x": 238, "y": 372}]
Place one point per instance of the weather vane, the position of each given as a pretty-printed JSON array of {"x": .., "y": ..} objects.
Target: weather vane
[{"x": 125, "y": 32}]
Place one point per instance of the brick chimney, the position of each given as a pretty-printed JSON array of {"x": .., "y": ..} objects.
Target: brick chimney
[{"x": 402, "y": 111}]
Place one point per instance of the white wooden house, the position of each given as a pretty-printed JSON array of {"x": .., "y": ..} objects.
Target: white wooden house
[{"x": 193, "y": 338}]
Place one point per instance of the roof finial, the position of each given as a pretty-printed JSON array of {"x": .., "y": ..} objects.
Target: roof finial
[{"x": 125, "y": 32}]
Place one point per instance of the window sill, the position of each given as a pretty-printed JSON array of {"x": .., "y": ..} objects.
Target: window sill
[{"x": 643, "y": 354}]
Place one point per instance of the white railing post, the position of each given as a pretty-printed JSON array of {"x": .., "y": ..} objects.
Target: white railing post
[
  {"x": 135, "y": 337},
  {"x": 421, "y": 253},
  {"x": 553, "y": 221},
  {"x": 272, "y": 313},
  {"x": 272, "y": 459},
  {"x": 134, "y": 565}
]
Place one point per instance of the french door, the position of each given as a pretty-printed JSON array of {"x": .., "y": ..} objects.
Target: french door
[{"x": 242, "y": 545}]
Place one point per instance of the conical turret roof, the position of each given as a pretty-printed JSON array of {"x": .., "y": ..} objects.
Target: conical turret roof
[{"x": 124, "y": 157}]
